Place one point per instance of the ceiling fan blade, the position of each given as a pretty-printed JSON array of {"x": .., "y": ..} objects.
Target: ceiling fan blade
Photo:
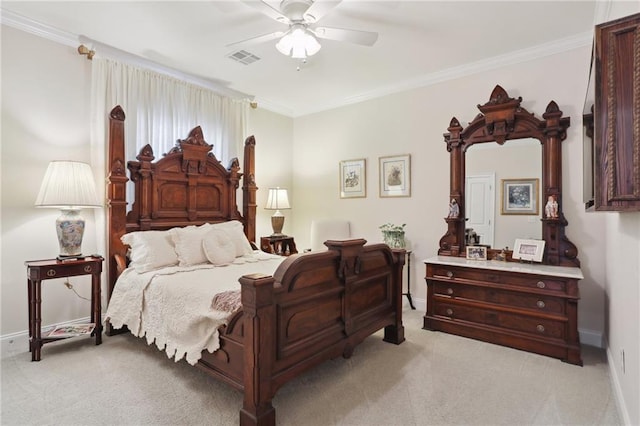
[
  {"x": 318, "y": 9},
  {"x": 268, "y": 10},
  {"x": 365, "y": 38},
  {"x": 256, "y": 40}
]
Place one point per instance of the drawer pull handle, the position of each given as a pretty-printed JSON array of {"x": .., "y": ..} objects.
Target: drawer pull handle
[
  {"x": 87, "y": 268},
  {"x": 51, "y": 273},
  {"x": 540, "y": 304},
  {"x": 541, "y": 284},
  {"x": 449, "y": 274},
  {"x": 449, "y": 291},
  {"x": 449, "y": 311},
  {"x": 540, "y": 328}
]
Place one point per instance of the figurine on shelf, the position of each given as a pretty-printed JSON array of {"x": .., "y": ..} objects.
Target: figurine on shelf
[
  {"x": 454, "y": 209},
  {"x": 551, "y": 209}
]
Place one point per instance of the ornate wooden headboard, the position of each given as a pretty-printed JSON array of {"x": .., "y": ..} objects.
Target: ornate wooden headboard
[{"x": 187, "y": 186}]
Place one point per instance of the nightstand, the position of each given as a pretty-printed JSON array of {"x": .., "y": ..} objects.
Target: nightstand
[
  {"x": 282, "y": 245},
  {"x": 40, "y": 270}
]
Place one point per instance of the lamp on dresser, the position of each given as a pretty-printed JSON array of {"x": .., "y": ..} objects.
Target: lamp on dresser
[
  {"x": 277, "y": 200},
  {"x": 70, "y": 187}
]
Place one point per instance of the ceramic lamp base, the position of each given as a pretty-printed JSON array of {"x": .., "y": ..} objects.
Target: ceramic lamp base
[
  {"x": 277, "y": 222},
  {"x": 70, "y": 230}
]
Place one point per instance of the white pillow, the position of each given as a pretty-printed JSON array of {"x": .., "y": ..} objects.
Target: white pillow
[
  {"x": 188, "y": 244},
  {"x": 218, "y": 247},
  {"x": 235, "y": 230},
  {"x": 150, "y": 250}
]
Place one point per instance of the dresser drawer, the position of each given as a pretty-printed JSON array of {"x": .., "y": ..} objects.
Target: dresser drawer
[
  {"x": 517, "y": 322},
  {"x": 481, "y": 275},
  {"x": 534, "y": 302}
]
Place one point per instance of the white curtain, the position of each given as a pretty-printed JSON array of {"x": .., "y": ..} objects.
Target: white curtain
[{"x": 159, "y": 110}]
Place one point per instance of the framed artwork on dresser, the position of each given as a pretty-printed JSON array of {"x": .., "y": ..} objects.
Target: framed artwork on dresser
[
  {"x": 531, "y": 250},
  {"x": 476, "y": 252},
  {"x": 353, "y": 178}
]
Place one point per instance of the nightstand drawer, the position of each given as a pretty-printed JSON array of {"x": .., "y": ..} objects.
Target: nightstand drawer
[{"x": 64, "y": 270}]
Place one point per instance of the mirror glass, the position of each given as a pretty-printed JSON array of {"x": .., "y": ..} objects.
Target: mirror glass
[{"x": 487, "y": 166}]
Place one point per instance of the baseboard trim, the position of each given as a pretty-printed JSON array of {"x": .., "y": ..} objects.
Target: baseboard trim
[
  {"x": 617, "y": 389},
  {"x": 14, "y": 343}
]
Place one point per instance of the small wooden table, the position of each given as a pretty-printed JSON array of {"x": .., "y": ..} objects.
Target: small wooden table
[
  {"x": 39, "y": 270},
  {"x": 282, "y": 245}
]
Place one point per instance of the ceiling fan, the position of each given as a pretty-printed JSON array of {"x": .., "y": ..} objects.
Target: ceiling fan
[{"x": 300, "y": 40}]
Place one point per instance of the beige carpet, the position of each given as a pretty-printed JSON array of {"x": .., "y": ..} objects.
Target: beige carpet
[{"x": 431, "y": 379}]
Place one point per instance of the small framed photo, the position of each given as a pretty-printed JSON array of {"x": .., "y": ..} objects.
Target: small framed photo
[
  {"x": 395, "y": 176},
  {"x": 530, "y": 250},
  {"x": 353, "y": 178},
  {"x": 476, "y": 252},
  {"x": 520, "y": 196}
]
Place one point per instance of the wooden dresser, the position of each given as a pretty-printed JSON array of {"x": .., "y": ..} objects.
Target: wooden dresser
[{"x": 530, "y": 307}]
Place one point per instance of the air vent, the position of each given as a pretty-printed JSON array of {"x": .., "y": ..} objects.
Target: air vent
[{"x": 244, "y": 57}]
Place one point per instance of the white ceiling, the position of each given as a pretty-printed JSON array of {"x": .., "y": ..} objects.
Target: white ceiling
[{"x": 419, "y": 42}]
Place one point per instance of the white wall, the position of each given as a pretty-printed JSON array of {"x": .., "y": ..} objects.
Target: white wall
[
  {"x": 413, "y": 123},
  {"x": 45, "y": 116},
  {"x": 622, "y": 287}
]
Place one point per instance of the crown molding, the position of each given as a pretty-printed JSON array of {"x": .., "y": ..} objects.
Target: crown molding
[
  {"x": 519, "y": 56},
  {"x": 512, "y": 58},
  {"x": 103, "y": 50}
]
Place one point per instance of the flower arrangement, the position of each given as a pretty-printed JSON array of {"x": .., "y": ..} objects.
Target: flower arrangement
[
  {"x": 393, "y": 235},
  {"x": 393, "y": 228}
]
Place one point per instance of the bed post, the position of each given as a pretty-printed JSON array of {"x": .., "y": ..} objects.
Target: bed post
[
  {"x": 259, "y": 350},
  {"x": 249, "y": 188},
  {"x": 116, "y": 195}
]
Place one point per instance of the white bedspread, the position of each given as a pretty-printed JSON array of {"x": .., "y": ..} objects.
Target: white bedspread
[{"x": 172, "y": 306}]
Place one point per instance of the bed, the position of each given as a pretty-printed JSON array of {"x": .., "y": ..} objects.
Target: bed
[{"x": 314, "y": 306}]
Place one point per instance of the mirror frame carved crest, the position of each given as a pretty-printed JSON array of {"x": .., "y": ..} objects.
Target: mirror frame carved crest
[{"x": 502, "y": 119}]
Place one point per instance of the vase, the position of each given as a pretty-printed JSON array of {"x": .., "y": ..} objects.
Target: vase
[{"x": 394, "y": 239}]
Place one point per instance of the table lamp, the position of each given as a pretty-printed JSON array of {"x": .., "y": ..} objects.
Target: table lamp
[
  {"x": 277, "y": 200},
  {"x": 70, "y": 187}
]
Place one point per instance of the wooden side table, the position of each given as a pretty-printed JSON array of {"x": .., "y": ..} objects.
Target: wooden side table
[
  {"x": 282, "y": 245},
  {"x": 39, "y": 270},
  {"x": 408, "y": 293}
]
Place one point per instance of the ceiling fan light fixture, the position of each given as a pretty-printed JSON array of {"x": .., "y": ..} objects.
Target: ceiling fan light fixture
[{"x": 299, "y": 43}]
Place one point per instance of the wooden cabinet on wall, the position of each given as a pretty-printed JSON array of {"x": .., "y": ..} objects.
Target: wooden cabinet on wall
[
  {"x": 616, "y": 116},
  {"x": 528, "y": 307}
]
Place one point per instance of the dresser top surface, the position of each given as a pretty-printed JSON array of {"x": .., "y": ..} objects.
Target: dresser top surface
[{"x": 495, "y": 265}]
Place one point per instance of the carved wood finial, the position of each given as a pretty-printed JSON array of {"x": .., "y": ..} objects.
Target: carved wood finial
[
  {"x": 146, "y": 153},
  {"x": 251, "y": 140},
  {"x": 117, "y": 113},
  {"x": 195, "y": 138}
]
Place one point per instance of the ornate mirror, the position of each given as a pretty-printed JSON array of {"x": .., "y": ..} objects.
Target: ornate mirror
[{"x": 501, "y": 120}]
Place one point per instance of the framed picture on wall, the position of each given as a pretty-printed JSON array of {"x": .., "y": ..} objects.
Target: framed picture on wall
[
  {"x": 520, "y": 196},
  {"x": 353, "y": 178},
  {"x": 395, "y": 176}
]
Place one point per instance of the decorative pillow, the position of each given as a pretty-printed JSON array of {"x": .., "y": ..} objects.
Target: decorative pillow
[
  {"x": 188, "y": 244},
  {"x": 218, "y": 247},
  {"x": 150, "y": 250},
  {"x": 235, "y": 230},
  {"x": 227, "y": 301}
]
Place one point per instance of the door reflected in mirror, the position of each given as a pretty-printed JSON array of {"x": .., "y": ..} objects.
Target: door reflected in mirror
[{"x": 486, "y": 165}]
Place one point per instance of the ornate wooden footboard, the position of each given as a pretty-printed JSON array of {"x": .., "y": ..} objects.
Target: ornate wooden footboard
[{"x": 315, "y": 307}]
